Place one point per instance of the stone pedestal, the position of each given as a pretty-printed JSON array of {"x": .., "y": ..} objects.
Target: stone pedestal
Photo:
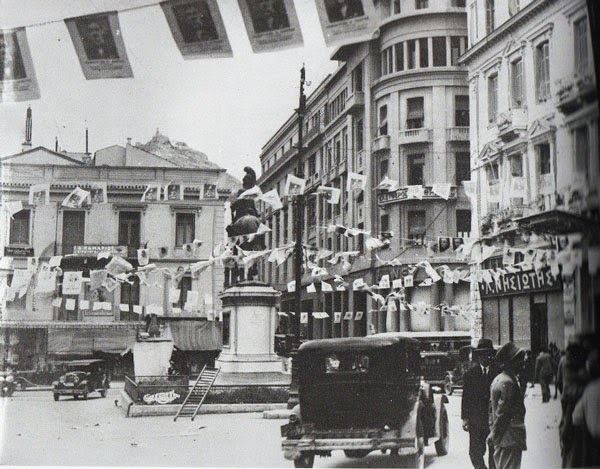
[
  {"x": 151, "y": 357},
  {"x": 250, "y": 309}
]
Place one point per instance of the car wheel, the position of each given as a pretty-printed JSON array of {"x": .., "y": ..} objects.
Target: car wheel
[
  {"x": 56, "y": 397},
  {"x": 305, "y": 460},
  {"x": 75, "y": 396},
  {"x": 356, "y": 453},
  {"x": 448, "y": 389},
  {"x": 441, "y": 446}
]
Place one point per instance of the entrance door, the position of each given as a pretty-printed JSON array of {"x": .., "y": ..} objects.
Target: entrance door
[
  {"x": 73, "y": 230},
  {"x": 539, "y": 327},
  {"x": 129, "y": 231}
]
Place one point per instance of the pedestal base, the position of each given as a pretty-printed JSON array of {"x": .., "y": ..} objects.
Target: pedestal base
[{"x": 247, "y": 363}]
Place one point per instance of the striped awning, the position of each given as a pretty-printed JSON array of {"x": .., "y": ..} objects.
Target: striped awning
[
  {"x": 196, "y": 335},
  {"x": 88, "y": 341}
]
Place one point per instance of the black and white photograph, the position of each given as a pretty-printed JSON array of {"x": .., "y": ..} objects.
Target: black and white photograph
[{"x": 200, "y": 264}]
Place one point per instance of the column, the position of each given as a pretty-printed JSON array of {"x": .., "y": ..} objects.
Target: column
[
  {"x": 435, "y": 315},
  {"x": 448, "y": 52},
  {"x": 405, "y": 47},
  {"x": 430, "y": 51},
  {"x": 417, "y": 53}
]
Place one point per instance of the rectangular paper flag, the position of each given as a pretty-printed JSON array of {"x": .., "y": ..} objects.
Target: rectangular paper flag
[
  {"x": 397, "y": 283},
  {"x": 330, "y": 194},
  {"x": 39, "y": 194},
  {"x": 72, "y": 283},
  {"x": 356, "y": 182},
  {"x": 337, "y": 317},
  {"x": 17, "y": 79},
  {"x": 358, "y": 316},
  {"x": 98, "y": 41},
  {"x": 294, "y": 186},
  {"x": 197, "y": 27},
  {"x": 76, "y": 198},
  {"x": 348, "y": 315},
  {"x": 209, "y": 191},
  {"x": 384, "y": 282},
  {"x": 346, "y": 21},
  {"x": 271, "y": 24},
  {"x": 152, "y": 193},
  {"x": 304, "y": 318},
  {"x": 99, "y": 193},
  {"x": 291, "y": 286},
  {"x": 272, "y": 198},
  {"x": 173, "y": 191}
]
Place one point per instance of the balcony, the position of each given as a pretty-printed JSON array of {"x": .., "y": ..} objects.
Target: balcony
[
  {"x": 313, "y": 133},
  {"x": 401, "y": 195},
  {"x": 457, "y": 134},
  {"x": 355, "y": 102},
  {"x": 406, "y": 137},
  {"x": 380, "y": 143},
  {"x": 312, "y": 181},
  {"x": 512, "y": 124},
  {"x": 575, "y": 93}
]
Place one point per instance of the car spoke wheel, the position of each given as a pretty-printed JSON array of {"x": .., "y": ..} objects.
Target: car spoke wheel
[
  {"x": 305, "y": 460},
  {"x": 441, "y": 446}
]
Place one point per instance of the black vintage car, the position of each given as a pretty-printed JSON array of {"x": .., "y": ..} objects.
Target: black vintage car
[
  {"x": 82, "y": 378},
  {"x": 360, "y": 395}
]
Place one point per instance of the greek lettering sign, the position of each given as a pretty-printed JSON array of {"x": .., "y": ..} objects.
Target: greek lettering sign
[
  {"x": 403, "y": 194},
  {"x": 15, "y": 251},
  {"x": 93, "y": 250},
  {"x": 521, "y": 282}
]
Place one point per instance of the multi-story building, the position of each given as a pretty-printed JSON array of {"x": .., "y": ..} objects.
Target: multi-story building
[
  {"x": 534, "y": 152},
  {"x": 397, "y": 106},
  {"x": 40, "y": 326}
]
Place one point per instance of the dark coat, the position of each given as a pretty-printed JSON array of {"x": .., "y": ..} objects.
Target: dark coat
[
  {"x": 476, "y": 395},
  {"x": 507, "y": 428}
]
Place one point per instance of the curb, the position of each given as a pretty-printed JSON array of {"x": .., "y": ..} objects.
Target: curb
[{"x": 277, "y": 414}]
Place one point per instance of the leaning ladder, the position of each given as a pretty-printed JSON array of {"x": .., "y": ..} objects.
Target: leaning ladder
[{"x": 195, "y": 398}]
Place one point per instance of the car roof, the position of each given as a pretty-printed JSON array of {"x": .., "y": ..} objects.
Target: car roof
[
  {"x": 426, "y": 334},
  {"x": 356, "y": 343},
  {"x": 84, "y": 362}
]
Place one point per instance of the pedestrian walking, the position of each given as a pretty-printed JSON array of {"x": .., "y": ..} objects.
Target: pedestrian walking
[
  {"x": 507, "y": 429},
  {"x": 544, "y": 373},
  {"x": 475, "y": 402},
  {"x": 528, "y": 373}
]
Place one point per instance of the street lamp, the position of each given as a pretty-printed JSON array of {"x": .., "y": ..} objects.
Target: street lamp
[{"x": 298, "y": 214}]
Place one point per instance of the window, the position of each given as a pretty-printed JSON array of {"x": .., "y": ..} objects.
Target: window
[
  {"x": 581, "y": 46},
  {"x": 492, "y": 97},
  {"x": 357, "y": 78},
  {"x": 130, "y": 295},
  {"x": 439, "y": 51},
  {"x": 463, "y": 223},
  {"x": 360, "y": 135},
  {"x": 383, "y": 168},
  {"x": 582, "y": 149},
  {"x": 513, "y": 9},
  {"x": 463, "y": 167},
  {"x": 455, "y": 49},
  {"x": 384, "y": 222},
  {"x": 73, "y": 230},
  {"x": 489, "y": 16},
  {"x": 412, "y": 54},
  {"x": 416, "y": 225},
  {"x": 459, "y": 3},
  {"x": 387, "y": 63},
  {"x": 542, "y": 71},
  {"x": 516, "y": 165},
  {"x": 399, "y": 56},
  {"x": 473, "y": 24},
  {"x": 312, "y": 164},
  {"x": 543, "y": 152},
  {"x": 383, "y": 127},
  {"x": 516, "y": 83},
  {"x": 420, "y": 4},
  {"x": 461, "y": 110},
  {"x": 19, "y": 227},
  {"x": 493, "y": 172},
  {"x": 129, "y": 229},
  {"x": 423, "y": 53},
  {"x": 415, "y": 116},
  {"x": 226, "y": 330},
  {"x": 396, "y": 7},
  {"x": 416, "y": 169},
  {"x": 184, "y": 228}
]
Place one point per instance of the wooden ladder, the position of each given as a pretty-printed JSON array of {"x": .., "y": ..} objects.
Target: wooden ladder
[{"x": 195, "y": 398}]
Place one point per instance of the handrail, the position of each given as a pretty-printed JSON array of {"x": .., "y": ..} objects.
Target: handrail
[
  {"x": 205, "y": 394},
  {"x": 189, "y": 393}
]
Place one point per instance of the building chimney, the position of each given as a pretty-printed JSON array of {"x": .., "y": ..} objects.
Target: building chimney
[
  {"x": 87, "y": 152},
  {"x": 129, "y": 141},
  {"x": 28, "y": 126},
  {"x": 56, "y": 144}
]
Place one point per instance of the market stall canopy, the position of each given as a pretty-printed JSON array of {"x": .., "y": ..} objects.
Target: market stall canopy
[{"x": 87, "y": 341}]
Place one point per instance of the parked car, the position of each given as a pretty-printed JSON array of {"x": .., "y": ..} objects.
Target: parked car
[
  {"x": 364, "y": 394},
  {"x": 82, "y": 378}
]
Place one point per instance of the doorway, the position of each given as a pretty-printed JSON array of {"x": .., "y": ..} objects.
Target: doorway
[
  {"x": 539, "y": 327},
  {"x": 73, "y": 230}
]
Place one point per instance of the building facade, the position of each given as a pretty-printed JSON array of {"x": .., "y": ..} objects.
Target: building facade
[
  {"x": 39, "y": 326},
  {"x": 534, "y": 154},
  {"x": 396, "y": 107}
]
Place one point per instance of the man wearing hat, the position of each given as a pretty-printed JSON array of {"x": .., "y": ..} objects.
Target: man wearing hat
[
  {"x": 507, "y": 414},
  {"x": 475, "y": 401}
]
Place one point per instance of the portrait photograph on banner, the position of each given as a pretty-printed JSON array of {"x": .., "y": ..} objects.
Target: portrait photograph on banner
[
  {"x": 98, "y": 193},
  {"x": 209, "y": 191},
  {"x": 39, "y": 194},
  {"x": 271, "y": 24},
  {"x": 197, "y": 27},
  {"x": 346, "y": 21},
  {"x": 17, "y": 77},
  {"x": 99, "y": 45}
]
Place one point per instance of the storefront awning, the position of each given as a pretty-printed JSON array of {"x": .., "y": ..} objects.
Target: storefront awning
[
  {"x": 196, "y": 335},
  {"x": 88, "y": 341}
]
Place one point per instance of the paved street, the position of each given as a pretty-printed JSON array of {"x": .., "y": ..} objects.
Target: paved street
[{"x": 38, "y": 431}]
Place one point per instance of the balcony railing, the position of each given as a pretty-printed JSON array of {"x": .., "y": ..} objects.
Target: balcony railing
[
  {"x": 415, "y": 136},
  {"x": 313, "y": 133},
  {"x": 457, "y": 134},
  {"x": 572, "y": 94},
  {"x": 380, "y": 143},
  {"x": 355, "y": 102},
  {"x": 402, "y": 195},
  {"x": 512, "y": 124}
]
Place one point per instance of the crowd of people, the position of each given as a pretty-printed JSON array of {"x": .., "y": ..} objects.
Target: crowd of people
[{"x": 493, "y": 401}]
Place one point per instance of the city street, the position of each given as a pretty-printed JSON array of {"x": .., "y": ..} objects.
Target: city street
[{"x": 36, "y": 430}]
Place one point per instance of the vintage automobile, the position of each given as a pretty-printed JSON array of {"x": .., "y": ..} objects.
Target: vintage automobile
[
  {"x": 82, "y": 378},
  {"x": 363, "y": 394}
]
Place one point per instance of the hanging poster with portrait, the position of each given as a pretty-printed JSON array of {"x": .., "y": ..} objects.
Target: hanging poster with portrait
[
  {"x": 271, "y": 24},
  {"x": 98, "y": 193},
  {"x": 98, "y": 41},
  {"x": 197, "y": 27},
  {"x": 17, "y": 77},
  {"x": 346, "y": 21},
  {"x": 39, "y": 194}
]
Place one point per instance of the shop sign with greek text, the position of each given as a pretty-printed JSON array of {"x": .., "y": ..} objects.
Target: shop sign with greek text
[{"x": 521, "y": 282}]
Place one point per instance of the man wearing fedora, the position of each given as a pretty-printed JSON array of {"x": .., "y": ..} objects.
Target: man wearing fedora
[
  {"x": 475, "y": 401},
  {"x": 507, "y": 413}
]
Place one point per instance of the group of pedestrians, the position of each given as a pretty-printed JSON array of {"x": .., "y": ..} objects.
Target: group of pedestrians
[{"x": 493, "y": 408}]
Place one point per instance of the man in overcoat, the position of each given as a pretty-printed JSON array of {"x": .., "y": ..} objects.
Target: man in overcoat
[
  {"x": 475, "y": 401},
  {"x": 507, "y": 412}
]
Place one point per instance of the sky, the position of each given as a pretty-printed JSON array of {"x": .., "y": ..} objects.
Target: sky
[{"x": 226, "y": 107}]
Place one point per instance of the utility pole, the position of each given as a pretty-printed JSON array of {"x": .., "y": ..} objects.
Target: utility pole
[{"x": 298, "y": 250}]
